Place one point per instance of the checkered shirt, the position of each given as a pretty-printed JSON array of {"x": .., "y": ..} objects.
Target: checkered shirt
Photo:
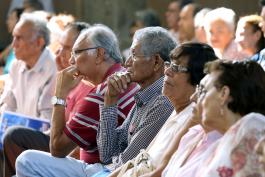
[{"x": 120, "y": 144}]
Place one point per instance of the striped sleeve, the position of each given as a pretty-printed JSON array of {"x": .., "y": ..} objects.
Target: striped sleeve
[{"x": 83, "y": 125}]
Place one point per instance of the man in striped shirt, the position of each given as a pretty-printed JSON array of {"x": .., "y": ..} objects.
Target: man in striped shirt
[{"x": 95, "y": 56}]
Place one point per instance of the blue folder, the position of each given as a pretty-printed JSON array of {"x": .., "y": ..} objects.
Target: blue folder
[{"x": 9, "y": 119}]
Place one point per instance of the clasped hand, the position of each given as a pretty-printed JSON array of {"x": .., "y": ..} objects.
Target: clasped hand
[
  {"x": 117, "y": 84},
  {"x": 67, "y": 79}
]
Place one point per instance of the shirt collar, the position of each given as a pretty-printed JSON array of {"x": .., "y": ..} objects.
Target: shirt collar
[
  {"x": 143, "y": 96},
  {"x": 39, "y": 65}
]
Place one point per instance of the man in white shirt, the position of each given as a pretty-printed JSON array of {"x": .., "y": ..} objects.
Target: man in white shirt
[{"x": 29, "y": 87}]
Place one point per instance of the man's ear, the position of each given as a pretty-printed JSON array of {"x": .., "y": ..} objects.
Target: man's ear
[
  {"x": 225, "y": 95},
  {"x": 40, "y": 42},
  {"x": 100, "y": 55},
  {"x": 258, "y": 35},
  {"x": 159, "y": 62}
]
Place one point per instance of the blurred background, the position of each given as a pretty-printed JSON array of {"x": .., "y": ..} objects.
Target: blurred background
[{"x": 117, "y": 14}]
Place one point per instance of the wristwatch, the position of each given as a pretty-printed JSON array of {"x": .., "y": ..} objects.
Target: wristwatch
[{"x": 58, "y": 101}]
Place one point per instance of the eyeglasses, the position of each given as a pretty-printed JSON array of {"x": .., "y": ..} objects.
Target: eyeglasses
[
  {"x": 176, "y": 68},
  {"x": 200, "y": 91},
  {"x": 74, "y": 53}
]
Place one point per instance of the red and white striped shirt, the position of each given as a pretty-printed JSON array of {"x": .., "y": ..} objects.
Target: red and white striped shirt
[{"x": 83, "y": 125}]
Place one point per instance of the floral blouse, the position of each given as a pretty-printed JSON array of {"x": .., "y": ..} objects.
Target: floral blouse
[{"x": 233, "y": 155}]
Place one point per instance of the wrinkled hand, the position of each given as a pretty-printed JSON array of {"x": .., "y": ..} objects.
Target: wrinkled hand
[
  {"x": 117, "y": 84},
  {"x": 67, "y": 79}
]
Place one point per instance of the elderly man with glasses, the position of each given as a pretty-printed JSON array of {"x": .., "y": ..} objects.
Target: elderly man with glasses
[{"x": 95, "y": 56}]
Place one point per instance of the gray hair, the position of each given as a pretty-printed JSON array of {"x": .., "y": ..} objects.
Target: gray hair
[
  {"x": 226, "y": 15},
  {"x": 39, "y": 26},
  {"x": 155, "y": 40},
  {"x": 102, "y": 36},
  {"x": 200, "y": 17}
]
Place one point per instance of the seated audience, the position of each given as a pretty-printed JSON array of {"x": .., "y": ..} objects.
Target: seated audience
[
  {"x": 149, "y": 51},
  {"x": 18, "y": 139},
  {"x": 233, "y": 102},
  {"x": 249, "y": 36},
  {"x": 220, "y": 31},
  {"x": 182, "y": 76},
  {"x": 95, "y": 56}
]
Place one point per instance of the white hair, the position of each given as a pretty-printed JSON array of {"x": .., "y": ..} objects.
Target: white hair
[
  {"x": 102, "y": 36},
  {"x": 39, "y": 25},
  {"x": 226, "y": 15},
  {"x": 199, "y": 17}
]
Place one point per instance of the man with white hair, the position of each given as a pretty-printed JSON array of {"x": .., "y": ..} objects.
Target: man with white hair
[{"x": 29, "y": 87}]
